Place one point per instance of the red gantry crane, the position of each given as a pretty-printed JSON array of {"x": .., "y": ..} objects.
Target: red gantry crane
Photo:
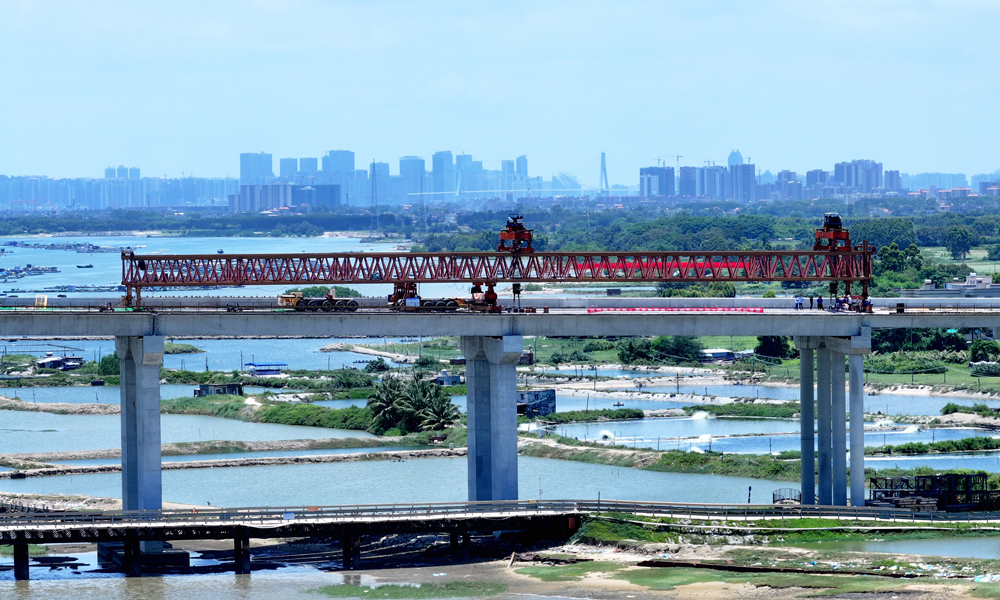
[{"x": 833, "y": 258}]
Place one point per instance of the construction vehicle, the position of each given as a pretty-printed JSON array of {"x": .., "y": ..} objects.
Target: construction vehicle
[{"x": 329, "y": 303}]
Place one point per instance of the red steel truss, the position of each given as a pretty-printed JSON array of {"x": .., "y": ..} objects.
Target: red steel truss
[{"x": 145, "y": 271}]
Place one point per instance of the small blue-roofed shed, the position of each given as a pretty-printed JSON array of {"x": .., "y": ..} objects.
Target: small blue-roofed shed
[{"x": 265, "y": 369}]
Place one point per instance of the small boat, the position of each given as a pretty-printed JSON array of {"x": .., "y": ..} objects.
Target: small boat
[
  {"x": 221, "y": 251},
  {"x": 618, "y": 404},
  {"x": 85, "y": 266},
  {"x": 96, "y": 382}
]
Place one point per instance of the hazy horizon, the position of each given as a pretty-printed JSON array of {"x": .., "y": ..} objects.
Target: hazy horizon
[{"x": 186, "y": 87}]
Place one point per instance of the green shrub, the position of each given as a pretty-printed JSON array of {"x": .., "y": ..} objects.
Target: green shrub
[
  {"x": 310, "y": 415},
  {"x": 598, "y": 346}
]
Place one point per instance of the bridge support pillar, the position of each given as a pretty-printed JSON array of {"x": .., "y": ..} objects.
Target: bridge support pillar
[
  {"x": 21, "y": 561},
  {"x": 132, "y": 559},
  {"x": 831, "y": 415},
  {"x": 241, "y": 553},
  {"x": 839, "y": 424},
  {"x": 142, "y": 488},
  {"x": 491, "y": 378},
  {"x": 807, "y": 417},
  {"x": 856, "y": 367},
  {"x": 351, "y": 550},
  {"x": 453, "y": 542},
  {"x": 824, "y": 428}
]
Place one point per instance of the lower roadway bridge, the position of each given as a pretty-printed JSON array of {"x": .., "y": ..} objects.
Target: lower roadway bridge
[{"x": 132, "y": 529}]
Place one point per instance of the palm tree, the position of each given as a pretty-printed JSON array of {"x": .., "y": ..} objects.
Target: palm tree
[
  {"x": 440, "y": 413},
  {"x": 388, "y": 403}
]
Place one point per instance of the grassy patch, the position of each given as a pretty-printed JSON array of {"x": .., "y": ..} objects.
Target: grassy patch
[
  {"x": 175, "y": 348},
  {"x": 784, "y": 410},
  {"x": 599, "y": 531},
  {"x": 33, "y": 550},
  {"x": 669, "y": 578},
  {"x": 455, "y": 589},
  {"x": 570, "y": 572}
]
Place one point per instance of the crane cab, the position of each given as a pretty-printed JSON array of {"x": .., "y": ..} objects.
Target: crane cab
[
  {"x": 515, "y": 238},
  {"x": 832, "y": 237}
]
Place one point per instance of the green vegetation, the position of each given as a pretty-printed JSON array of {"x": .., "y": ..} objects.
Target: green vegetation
[
  {"x": 899, "y": 362},
  {"x": 676, "y": 349},
  {"x": 310, "y": 415},
  {"x": 738, "y": 465},
  {"x": 976, "y": 409},
  {"x": 603, "y": 414},
  {"x": 781, "y": 410},
  {"x": 452, "y": 589},
  {"x": 659, "y": 578},
  {"x": 174, "y": 348},
  {"x": 411, "y": 406},
  {"x": 220, "y": 405},
  {"x": 970, "y": 444},
  {"x": 33, "y": 550}
]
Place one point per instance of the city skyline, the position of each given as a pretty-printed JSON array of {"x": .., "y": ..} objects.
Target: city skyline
[{"x": 87, "y": 86}]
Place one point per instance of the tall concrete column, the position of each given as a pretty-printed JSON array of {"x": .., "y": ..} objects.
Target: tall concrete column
[
  {"x": 823, "y": 426},
  {"x": 491, "y": 380},
  {"x": 857, "y": 381},
  {"x": 142, "y": 487},
  {"x": 807, "y": 422},
  {"x": 838, "y": 420}
]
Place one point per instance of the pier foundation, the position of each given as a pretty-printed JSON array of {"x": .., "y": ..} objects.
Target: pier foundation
[{"x": 491, "y": 379}]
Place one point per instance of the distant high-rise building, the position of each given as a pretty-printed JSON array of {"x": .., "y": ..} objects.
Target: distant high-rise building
[
  {"x": 444, "y": 171},
  {"x": 656, "y": 181},
  {"x": 507, "y": 173},
  {"x": 412, "y": 170},
  {"x": 122, "y": 172},
  {"x": 688, "y": 182},
  {"x": 735, "y": 158},
  {"x": 338, "y": 161},
  {"x": 308, "y": 166},
  {"x": 786, "y": 175},
  {"x": 766, "y": 178},
  {"x": 109, "y": 173},
  {"x": 133, "y": 173},
  {"x": 858, "y": 175},
  {"x": 463, "y": 171},
  {"x": 288, "y": 168},
  {"x": 521, "y": 167},
  {"x": 714, "y": 182},
  {"x": 892, "y": 181},
  {"x": 255, "y": 167},
  {"x": 817, "y": 177},
  {"x": 744, "y": 181}
]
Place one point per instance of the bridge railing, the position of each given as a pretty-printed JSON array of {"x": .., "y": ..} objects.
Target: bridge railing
[{"x": 457, "y": 510}]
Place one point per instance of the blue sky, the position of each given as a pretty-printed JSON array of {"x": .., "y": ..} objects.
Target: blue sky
[{"x": 174, "y": 86}]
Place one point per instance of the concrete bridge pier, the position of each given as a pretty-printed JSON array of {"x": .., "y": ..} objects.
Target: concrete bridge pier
[
  {"x": 241, "y": 553},
  {"x": 491, "y": 378},
  {"x": 21, "y": 561},
  {"x": 831, "y": 415},
  {"x": 142, "y": 486},
  {"x": 807, "y": 418}
]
